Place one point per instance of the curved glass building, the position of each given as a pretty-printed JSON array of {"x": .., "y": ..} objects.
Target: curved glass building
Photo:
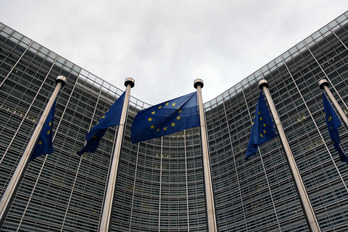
[{"x": 160, "y": 182}]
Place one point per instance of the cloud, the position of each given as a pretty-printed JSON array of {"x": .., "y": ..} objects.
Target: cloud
[{"x": 165, "y": 45}]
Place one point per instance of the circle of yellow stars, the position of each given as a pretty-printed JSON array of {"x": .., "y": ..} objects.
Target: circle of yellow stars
[
  {"x": 48, "y": 132},
  {"x": 150, "y": 119},
  {"x": 264, "y": 125}
]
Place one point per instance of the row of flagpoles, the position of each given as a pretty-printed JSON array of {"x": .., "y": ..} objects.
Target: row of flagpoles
[{"x": 165, "y": 118}]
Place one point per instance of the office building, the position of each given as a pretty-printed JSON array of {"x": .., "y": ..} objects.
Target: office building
[{"x": 160, "y": 185}]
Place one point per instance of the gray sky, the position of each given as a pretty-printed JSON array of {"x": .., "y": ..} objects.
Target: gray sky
[{"x": 166, "y": 44}]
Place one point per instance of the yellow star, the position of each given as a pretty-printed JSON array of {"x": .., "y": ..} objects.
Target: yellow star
[
  {"x": 261, "y": 118},
  {"x": 159, "y": 107},
  {"x": 50, "y": 123},
  {"x": 178, "y": 118},
  {"x": 48, "y": 132},
  {"x": 264, "y": 131},
  {"x": 152, "y": 126},
  {"x": 103, "y": 116},
  {"x": 40, "y": 142},
  {"x": 180, "y": 111},
  {"x": 153, "y": 112},
  {"x": 252, "y": 123},
  {"x": 264, "y": 124},
  {"x": 329, "y": 118},
  {"x": 167, "y": 103},
  {"x": 261, "y": 135},
  {"x": 150, "y": 119},
  {"x": 173, "y": 104},
  {"x": 259, "y": 112},
  {"x": 158, "y": 130},
  {"x": 173, "y": 124},
  {"x": 165, "y": 128}
]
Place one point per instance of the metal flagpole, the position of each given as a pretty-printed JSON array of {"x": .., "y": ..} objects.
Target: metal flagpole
[
  {"x": 209, "y": 195},
  {"x": 110, "y": 192},
  {"x": 306, "y": 205},
  {"x": 323, "y": 84},
  {"x": 10, "y": 191}
]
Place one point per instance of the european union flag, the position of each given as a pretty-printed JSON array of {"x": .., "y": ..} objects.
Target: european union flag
[
  {"x": 262, "y": 129},
  {"x": 166, "y": 118},
  {"x": 333, "y": 123},
  {"x": 44, "y": 143},
  {"x": 110, "y": 118}
]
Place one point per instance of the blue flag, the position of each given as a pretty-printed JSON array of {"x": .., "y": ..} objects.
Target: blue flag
[
  {"x": 110, "y": 118},
  {"x": 44, "y": 142},
  {"x": 333, "y": 123},
  {"x": 262, "y": 129},
  {"x": 166, "y": 118}
]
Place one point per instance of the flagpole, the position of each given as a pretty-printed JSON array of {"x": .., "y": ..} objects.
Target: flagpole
[
  {"x": 10, "y": 191},
  {"x": 305, "y": 202},
  {"x": 209, "y": 195},
  {"x": 323, "y": 84},
  {"x": 110, "y": 192}
]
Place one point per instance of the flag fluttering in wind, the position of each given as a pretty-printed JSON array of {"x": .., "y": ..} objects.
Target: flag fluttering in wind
[
  {"x": 166, "y": 118},
  {"x": 110, "y": 118},
  {"x": 333, "y": 123},
  {"x": 262, "y": 129},
  {"x": 44, "y": 142}
]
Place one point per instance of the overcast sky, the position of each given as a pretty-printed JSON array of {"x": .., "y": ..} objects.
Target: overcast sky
[{"x": 166, "y": 44}]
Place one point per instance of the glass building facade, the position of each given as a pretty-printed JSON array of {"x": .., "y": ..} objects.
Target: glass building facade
[{"x": 160, "y": 185}]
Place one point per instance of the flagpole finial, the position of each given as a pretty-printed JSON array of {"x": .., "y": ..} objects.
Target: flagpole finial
[
  {"x": 263, "y": 83},
  {"x": 61, "y": 79},
  {"x": 198, "y": 82},
  {"x": 323, "y": 83},
  {"x": 129, "y": 81}
]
